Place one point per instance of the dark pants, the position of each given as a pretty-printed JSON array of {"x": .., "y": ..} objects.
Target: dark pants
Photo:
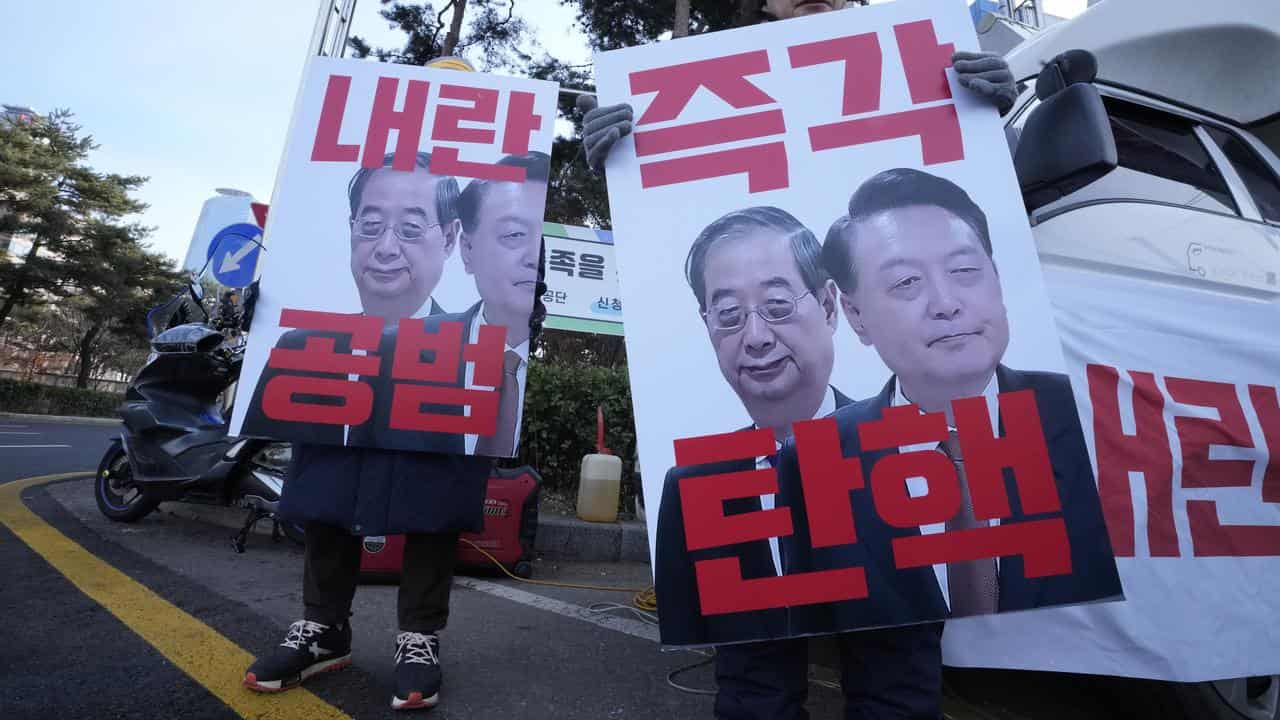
[
  {"x": 892, "y": 673},
  {"x": 332, "y": 569}
]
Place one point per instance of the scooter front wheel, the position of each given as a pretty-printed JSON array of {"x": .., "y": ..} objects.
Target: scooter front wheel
[{"x": 119, "y": 496}]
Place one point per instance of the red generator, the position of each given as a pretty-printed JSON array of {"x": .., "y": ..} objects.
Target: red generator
[{"x": 510, "y": 526}]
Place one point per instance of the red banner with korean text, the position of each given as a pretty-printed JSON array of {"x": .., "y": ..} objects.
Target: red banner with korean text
[{"x": 1176, "y": 383}]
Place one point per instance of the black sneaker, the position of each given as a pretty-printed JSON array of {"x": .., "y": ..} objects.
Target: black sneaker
[
  {"x": 417, "y": 671},
  {"x": 309, "y": 648}
]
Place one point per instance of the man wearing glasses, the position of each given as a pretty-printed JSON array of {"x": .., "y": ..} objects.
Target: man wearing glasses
[
  {"x": 403, "y": 226},
  {"x": 403, "y": 229},
  {"x": 500, "y": 243},
  {"x": 770, "y": 313}
]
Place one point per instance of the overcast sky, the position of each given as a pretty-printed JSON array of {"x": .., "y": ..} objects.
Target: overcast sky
[{"x": 197, "y": 94}]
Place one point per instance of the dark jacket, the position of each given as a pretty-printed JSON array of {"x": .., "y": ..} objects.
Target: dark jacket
[
  {"x": 381, "y": 436},
  {"x": 369, "y": 491},
  {"x": 680, "y": 619},
  {"x": 913, "y": 595}
]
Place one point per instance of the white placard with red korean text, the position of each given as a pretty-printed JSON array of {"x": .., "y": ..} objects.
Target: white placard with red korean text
[
  {"x": 402, "y": 248},
  {"x": 1176, "y": 385},
  {"x": 743, "y": 141}
]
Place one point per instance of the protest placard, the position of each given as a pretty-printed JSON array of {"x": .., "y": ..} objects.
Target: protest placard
[
  {"x": 402, "y": 256},
  {"x": 838, "y": 336}
]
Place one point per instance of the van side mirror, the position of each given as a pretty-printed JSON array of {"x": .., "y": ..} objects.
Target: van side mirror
[{"x": 1066, "y": 142}]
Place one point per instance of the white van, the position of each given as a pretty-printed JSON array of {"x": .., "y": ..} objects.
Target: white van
[{"x": 1163, "y": 265}]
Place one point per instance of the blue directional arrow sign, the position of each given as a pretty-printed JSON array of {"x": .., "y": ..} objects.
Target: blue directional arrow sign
[{"x": 233, "y": 254}]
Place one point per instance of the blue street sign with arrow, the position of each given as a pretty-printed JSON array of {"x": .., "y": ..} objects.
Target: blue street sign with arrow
[{"x": 233, "y": 254}]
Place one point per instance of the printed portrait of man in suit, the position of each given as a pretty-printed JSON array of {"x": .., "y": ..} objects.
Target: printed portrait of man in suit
[
  {"x": 918, "y": 284},
  {"x": 500, "y": 245},
  {"x": 770, "y": 312},
  {"x": 403, "y": 226}
]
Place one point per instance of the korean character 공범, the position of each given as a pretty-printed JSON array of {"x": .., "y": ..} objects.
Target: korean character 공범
[
  {"x": 439, "y": 358},
  {"x": 285, "y": 396}
]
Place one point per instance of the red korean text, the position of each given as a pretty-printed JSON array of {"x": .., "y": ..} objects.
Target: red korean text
[
  {"x": 829, "y": 482},
  {"x": 436, "y": 381},
  {"x": 1151, "y": 449},
  {"x": 464, "y": 123},
  {"x": 752, "y": 114}
]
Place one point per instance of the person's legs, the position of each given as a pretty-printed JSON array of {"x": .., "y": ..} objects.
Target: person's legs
[
  {"x": 762, "y": 680},
  {"x": 892, "y": 673},
  {"x": 423, "y": 610},
  {"x": 321, "y": 641},
  {"x": 425, "y": 581},
  {"x": 330, "y": 573}
]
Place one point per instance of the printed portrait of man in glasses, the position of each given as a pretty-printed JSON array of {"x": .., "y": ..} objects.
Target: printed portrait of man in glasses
[
  {"x": 770, "y": 311},
  {"x": 403, "y": 227}
]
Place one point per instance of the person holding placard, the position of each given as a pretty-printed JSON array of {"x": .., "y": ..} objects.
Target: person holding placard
[{"x": 888, "y": 673}]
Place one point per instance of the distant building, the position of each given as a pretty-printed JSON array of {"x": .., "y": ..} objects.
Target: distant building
[
  {"x": 17, "y": 113},
  {"x": 1003, "y": 24}
]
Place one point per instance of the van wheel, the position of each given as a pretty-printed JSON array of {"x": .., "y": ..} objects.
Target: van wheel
[
  {"x": 1251, "y": 698},
  {"x": 119, "y": 496}
]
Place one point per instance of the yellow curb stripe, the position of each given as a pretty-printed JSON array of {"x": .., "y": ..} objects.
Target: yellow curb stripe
[{"x": 195, "y": 648}]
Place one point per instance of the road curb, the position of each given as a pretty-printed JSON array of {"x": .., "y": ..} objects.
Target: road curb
[
  {"x": 60, "y": 419},
  {"x": 569, "y": 538}
]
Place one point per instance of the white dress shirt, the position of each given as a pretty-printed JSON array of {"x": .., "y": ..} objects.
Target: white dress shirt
[
  {"x": 522, "y": 372},
  {"x": 827, "y": 407},
  {"x": 918, "y": 486}
]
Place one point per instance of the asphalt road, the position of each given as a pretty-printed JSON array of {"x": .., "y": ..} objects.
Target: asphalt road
[
  {"x": 81, "y": 642},
  {"x": 509, "y": 652}
]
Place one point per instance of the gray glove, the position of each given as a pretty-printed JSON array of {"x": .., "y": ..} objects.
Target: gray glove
[
  {"x": 601, "y": 128},
  {"x": 987, "y": 75}
]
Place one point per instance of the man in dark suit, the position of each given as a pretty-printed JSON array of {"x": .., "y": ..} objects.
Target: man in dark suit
[
  {"x": 501, "y": 247},
  {"x": 913, "y": 262},
  {"x": 770, "y": 312},
  {"x": 404, "y": 226}
]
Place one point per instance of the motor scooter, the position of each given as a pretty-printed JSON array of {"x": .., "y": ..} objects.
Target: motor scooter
[{"x": 174, "y": 445}]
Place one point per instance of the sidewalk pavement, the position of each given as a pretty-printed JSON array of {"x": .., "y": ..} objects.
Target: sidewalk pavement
[{"x": 559, "y": 537}]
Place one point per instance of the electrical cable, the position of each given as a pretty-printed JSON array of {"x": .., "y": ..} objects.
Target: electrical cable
[
  {"x": 645, "y": 609},
  {"x": 576, "y": 586},
  {"x": 671, "y": 676}
]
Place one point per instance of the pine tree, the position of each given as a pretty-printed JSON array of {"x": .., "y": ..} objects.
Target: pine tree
[
  {"x": 493, "y": 39},
  {"x": 49, "y": 194}
]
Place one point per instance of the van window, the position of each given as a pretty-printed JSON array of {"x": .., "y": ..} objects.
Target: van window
[
  {"x": 1253, "y": 170},
  {"x": 1160, "y": 159}
]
